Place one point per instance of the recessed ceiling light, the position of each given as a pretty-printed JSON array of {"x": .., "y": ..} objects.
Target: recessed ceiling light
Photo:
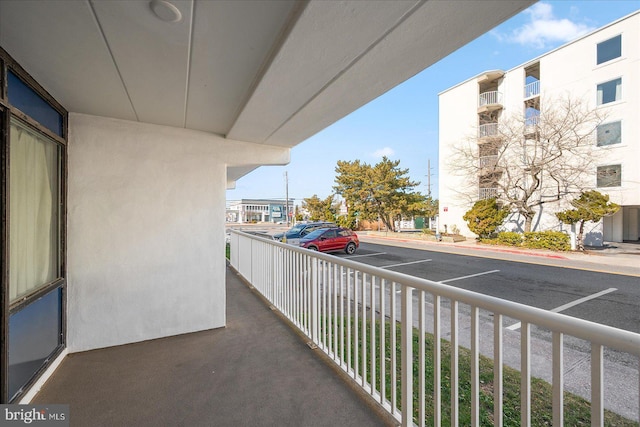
[{"x": 165, "y": 10}]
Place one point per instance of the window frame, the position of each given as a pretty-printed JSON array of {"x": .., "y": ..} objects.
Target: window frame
[
  {"x": 7, "y": 113},
  {"x": 619, "y": 166},
  {"x": 598, "y": 103},
  {"x": 598, "y": 62},
  {"x": 610, "y": 144}
]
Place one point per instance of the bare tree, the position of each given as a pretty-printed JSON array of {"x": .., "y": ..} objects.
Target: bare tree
[{"x": 526, "y": 160}]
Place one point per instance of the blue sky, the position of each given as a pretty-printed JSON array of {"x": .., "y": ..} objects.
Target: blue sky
[{"x": 403, "y": 123}]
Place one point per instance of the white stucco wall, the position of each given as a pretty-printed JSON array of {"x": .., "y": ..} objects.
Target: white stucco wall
[{"x": 146, "y": 208}]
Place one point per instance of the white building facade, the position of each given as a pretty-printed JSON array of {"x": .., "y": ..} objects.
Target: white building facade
[
  {"x": 602, "y": 69},
  {"x": 260, "y": 210}
]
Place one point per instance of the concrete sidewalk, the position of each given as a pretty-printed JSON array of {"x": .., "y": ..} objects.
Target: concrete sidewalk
[{"x": 615, "y": 258}]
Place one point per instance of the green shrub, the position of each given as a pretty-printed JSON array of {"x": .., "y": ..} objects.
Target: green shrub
[
  {"x": 485, "y": 216},
  {"x": 554, "y": 240},
  {"x": 509, "y": 238}
]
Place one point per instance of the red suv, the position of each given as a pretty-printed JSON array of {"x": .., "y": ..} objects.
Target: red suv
[{"x": 331, "y": 240}]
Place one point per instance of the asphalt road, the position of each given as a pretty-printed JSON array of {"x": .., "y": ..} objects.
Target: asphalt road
[{"x": 609, "y": 299}]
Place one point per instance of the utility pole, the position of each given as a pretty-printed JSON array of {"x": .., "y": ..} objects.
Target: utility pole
[
  {"x": 286, "y": 200},
  {"x": 429, "y": 177}
]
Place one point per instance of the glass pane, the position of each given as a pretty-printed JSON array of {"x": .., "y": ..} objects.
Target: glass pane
[
  {"x": 34, "y": 180},
  {"x": 609, "y": 134},
  {"x": 29, "y": 102},
  {"x": 610, "y": 49},
  {"x": 609, "y": 176},
  {"x": 34, "y": 334},
  {"x": 609, "y": 91}
]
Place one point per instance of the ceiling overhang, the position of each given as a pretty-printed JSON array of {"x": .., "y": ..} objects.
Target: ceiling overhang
[{"x": 266, "y": 72}]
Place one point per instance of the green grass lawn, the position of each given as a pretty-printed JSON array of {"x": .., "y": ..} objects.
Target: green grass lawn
[{"x": 576, "y": 409}]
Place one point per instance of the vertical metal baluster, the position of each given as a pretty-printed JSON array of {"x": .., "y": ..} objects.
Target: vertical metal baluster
[
  {"x": 455, "y": 372},
  {"x": 336, "y": 350},
  {"x": 349, "y": 320},
  {"x": 372, "y": 346},
  {"x": 422, "y": 351},
  {"x": 558, "y": 379},
  {"x": 342, "y": 319},
  {"x": 475, "y": 369},
  {"x": 597, "y": 385},
  {"x": 406, "y": 354},
  {"x": 437, "y": 361},
  {"x": 383, "y": 356},
  {"x": 394, "y": 346},
  {"x": 497, "y": 371},
  {"x": 363, "y": 332},
  {"x": 356, "y": 327},
  {"x": 525, "y": 374},
  {"x": 315, "y": 303}
]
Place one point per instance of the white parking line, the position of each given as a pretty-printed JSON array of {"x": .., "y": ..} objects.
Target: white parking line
[
  {"x": 466, "y": 277},
  {"x": 406, "y": 263},
  {"x": 516, "y": 326},
  {"x": 358, "y": 256}
]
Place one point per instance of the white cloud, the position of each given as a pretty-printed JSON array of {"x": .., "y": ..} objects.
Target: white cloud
[
  {"x": 544, "y": 29},
  {"x": 386, "y": 151}
]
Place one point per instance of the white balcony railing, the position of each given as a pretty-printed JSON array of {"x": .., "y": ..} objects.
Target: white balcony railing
[
  {"x": 487, "y": 129},
  {"x": 532, "y": 89},
  {"x": 353, "y": 312},
  {"x": 487, "y": 162},
  {"x": 489, "y": 98},
  {"x": 487, "y": 193}
]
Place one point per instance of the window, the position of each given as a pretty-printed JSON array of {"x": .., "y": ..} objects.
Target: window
[
  {"x": 33, "y": 136},
  {"x": 34, "y": 211},
  {"x": 609, "y": 49},
  {"x": 609, "y": 134},
  {"x": 610, "y": 91},
  {"x": 609, "y": 176}
]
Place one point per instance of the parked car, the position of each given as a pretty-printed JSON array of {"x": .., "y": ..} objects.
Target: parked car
[
  {"x": 293, "y": 235},
  {"x": 331, "y": 240}
]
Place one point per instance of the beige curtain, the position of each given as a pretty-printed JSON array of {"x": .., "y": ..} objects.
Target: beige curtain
[{"x": 33, "y": 212}]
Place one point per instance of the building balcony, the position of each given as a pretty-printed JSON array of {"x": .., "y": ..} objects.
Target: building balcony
[
  {"x": 488, "y": 130},
  {"x": 487, "y": 193},
  {"x": 532, "y": 89},
  {"x": 531, "y": 124},
  {"x": 315, "y": 339},
  {"x": 487, "y": 162},
  {"x": 254, "y": 372},
  {"x": 489, "y": 101}
]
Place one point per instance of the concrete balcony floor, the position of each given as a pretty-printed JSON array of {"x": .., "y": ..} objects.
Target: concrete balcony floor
[{"x": 257, "y": 371}]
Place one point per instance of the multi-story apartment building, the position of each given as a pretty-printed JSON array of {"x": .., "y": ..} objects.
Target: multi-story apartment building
[{"x": 601, "y": 70}]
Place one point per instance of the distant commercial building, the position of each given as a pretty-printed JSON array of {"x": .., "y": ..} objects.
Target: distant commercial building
[
  {"x": 259, "y": 210},
  {"x": 603, "y": 69}
]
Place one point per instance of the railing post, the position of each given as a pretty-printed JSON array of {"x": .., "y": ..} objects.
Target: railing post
[{"x": 406, "y": 353}]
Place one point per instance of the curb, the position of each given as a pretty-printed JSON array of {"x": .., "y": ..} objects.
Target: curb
[{"x": 486, "y": 249}]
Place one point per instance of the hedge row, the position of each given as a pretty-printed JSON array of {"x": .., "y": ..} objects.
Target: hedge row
[{"x": 553, "y": 240}]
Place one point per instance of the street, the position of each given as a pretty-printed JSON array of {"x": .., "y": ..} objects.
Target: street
[{"x": 609, "y": 299}]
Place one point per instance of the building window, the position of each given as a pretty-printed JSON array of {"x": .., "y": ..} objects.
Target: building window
[
  {"x": 33, "y": 138},
  {"x": 610, "y": 91},
  {"x": 609, "y": 176},
  {"x": 609, "y": 134},
  {"x": 34, "y": 233},
  {"x": 609, "y": 49}
]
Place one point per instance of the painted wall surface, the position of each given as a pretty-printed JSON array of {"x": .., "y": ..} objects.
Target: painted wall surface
[{"x": 146, "y": 208}]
